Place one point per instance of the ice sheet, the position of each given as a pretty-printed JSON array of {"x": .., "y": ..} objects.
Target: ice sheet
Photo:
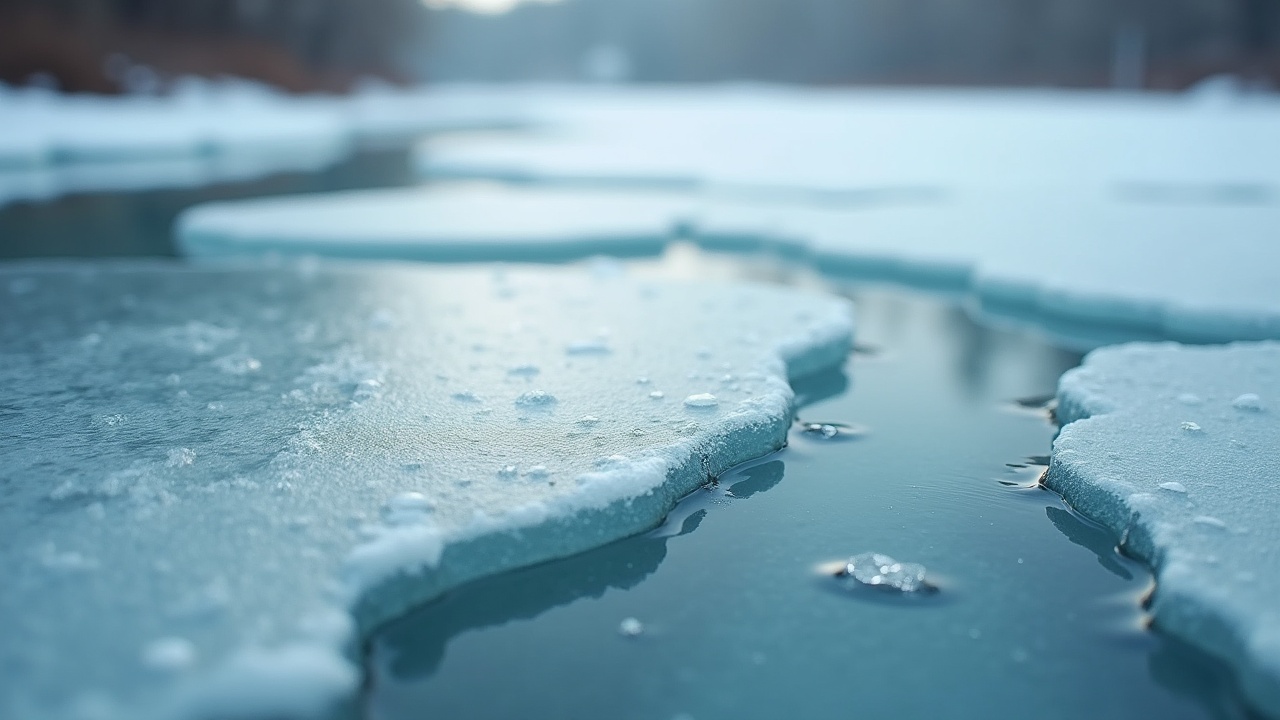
[
  {"x": 1196, "y": 270},
  {"x": 1175, "y": 449},
  {"x": 211, "y": 471}
]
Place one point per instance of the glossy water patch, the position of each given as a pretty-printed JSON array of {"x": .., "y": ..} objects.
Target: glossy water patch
[{"x": 726, "y": 611}]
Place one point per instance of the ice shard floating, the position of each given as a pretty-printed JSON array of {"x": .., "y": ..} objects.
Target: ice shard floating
[
  {"x": 1177, "y": 450},
  {"x": 215, "y": 479}
]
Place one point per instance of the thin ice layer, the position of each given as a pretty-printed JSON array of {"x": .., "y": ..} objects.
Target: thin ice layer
[
  {"x": 1176, "y": 450},
  {"x": 1192, "y": 270},
  {"x": 208, "y": 470}
]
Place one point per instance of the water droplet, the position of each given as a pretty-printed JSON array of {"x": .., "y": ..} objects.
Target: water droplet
[
  {"x": 535, "y": 398},
  {"x": 1247, "y": 401},
  {"x": 527, "y": 370},
  {"x": 1190, "y": 427},
  {"x": 825, "y": 430},
  {"x": 701, "y": 400},
  {"x": 1173, "y": 487},
  {"x": 657, "y": 394},
  {"x": 883, "y": 572},
  {"x": 631, "y": 627}
]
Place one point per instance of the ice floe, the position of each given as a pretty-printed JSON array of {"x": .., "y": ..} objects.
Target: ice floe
[
  {"x": 1200, "y": 506},
  {"x": 1051, "y": 257},
  {"x": 208, "y": 498}
]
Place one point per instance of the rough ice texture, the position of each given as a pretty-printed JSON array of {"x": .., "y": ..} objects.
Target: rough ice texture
[
  {"x": 1054, "y": 257},
  {"x": 211, "y": 131},
  {"x": 214, "y": 479},
  {"x": 1157, "y": 446}
]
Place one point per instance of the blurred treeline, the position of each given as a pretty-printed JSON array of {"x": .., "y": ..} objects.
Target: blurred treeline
[
  {"x": 1152, "y": 43},
  {"x": 92, "y": 45},
  {"x": 114, "y": 45}
]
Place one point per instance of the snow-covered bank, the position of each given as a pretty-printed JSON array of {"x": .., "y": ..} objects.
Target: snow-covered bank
[
  {"x": 1196, "y": 271},
  {"x": 1177, "y": 450},
  {"x": 214, "y": 467},
  {"x": 213, "y": 131}
]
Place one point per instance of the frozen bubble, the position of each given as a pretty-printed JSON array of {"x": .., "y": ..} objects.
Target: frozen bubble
[
  {"x": 169, "y": 654},
  {"x": 1190, "y": 427},
  {"x": 180, "y": 457},
  {"x": 1189, "y": 399},
  {"x": 1173, "y": 487},
  {"x": 535, "y": 398},
  {"x": 588, "y": 347},
  {"x": 466, "y": 396},
  {"x": 657, "y": 394},
  {"x": 526, "y": 370},
  {"x": 631, "y": 627},
  {"x": 881, "y": 571},
  {"x": 701, "y": 400},
  {"x": 1247, "y": 401}
]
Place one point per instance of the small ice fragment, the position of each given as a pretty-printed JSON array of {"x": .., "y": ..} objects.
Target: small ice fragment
[
  {"x": 1210, "y": 521},
  {"x": 535, "y": 398},
  {"x": 588, "y": 347},
  {"x": 610, "y": 461},
  {"x": 508, "y": 471},
  {"x": 537, "y": 472},
  {"x": 588, "y": 420},
  {"x": 825, "y": 430},
  {"x": 701, "y": 400},
  {"x": 526, "y": 370},
  {"x": 631, "y": 627},
  {"x": 642, "y": 380},
  {"x": 1247, "y": 401},
  {"x": 410, "y": 502},
  {"x": 657, "y": 394},
  {"x": 881, "y": 571},
  {"x": 1190, "y": 427},
  {"x": 1173, "y": 487},
  {"x": 1189, "y": 399},
  {"x": 180, "y": 457},
  {"x": 169, "y": 654},
  {"x": 466, "y": 396}
]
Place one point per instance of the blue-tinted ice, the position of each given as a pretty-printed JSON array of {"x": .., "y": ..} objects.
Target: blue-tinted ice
[{"x": 208, "y": 469}]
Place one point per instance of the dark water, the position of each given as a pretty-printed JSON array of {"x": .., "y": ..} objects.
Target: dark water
[{"x": 1039, "y": 616}]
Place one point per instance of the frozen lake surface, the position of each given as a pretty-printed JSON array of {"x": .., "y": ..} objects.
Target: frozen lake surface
[{"x": 936, "y": 464}]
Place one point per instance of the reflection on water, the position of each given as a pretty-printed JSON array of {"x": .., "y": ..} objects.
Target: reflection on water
[
  {"x": 1035, "y": 619},
  {"x": 134, "y": 224}
]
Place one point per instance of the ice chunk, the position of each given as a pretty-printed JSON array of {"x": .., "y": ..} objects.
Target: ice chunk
[
  {"x": 1203, "y": 512},
  {"x": 162, "y": 560},
  {"x": 884, "y": 573}
]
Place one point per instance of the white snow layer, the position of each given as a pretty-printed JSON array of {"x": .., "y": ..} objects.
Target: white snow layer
[
  {"x": 1198, "y": 271},
  {"x": 211, "y": 131},
  {"x": 1177, "y": 450},
  {"x": 215, "y": 478}
]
